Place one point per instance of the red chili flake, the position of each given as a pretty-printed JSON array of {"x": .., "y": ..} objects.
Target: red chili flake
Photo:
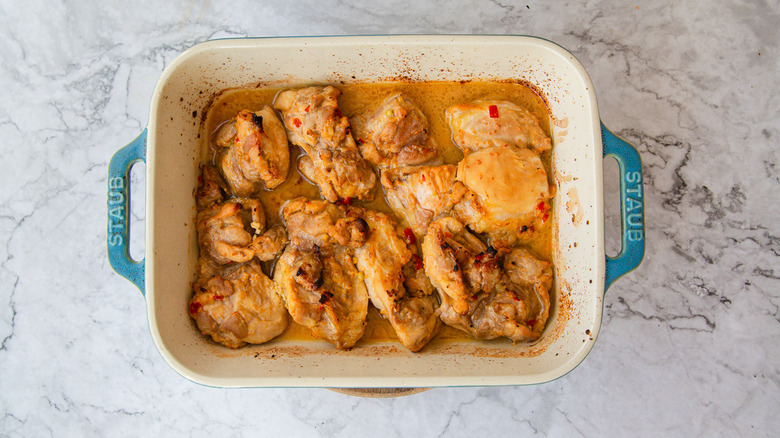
[
  {"x": 297, "y": 122},
  {"x": 417, "y": 262},
  {"x": 423, "y": 177},
  {"x": 515, "y": 298},
  {"x": 308, "y": 107},
  {"x": 545, "y": 217},
  {"x": 360, "y": 141},
  {"x": 195, "y": 307},
  {"x": 344, "y": 201},
  {"x": 493, "y": 110},
  {"x": 531, "y": 322},
  {"x": 218, "y": 297},
  {"x": 409, "y": 236},
  {"x": 474, "y": 297},
  {"x": 542, "y": 206}
]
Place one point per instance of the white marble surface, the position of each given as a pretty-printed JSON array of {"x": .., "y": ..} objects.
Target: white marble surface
[{"x": 690, "y": 344}]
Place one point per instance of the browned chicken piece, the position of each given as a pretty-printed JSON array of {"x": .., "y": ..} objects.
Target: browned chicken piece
[
  {"x": 508, "y": 196},
  {"x": 332, "y": 160},
  {"x": 486, "y": 123},
  {"x": 395, "y": 134},
  {"x": 316, "y": 275},
  {"x": 257, "y": 155},
  {"x": 211, "y": 188},
  {"x": 478, "y": 294},
  {"x": 396, "y": 282},
  {"x": 419, "y": 194},
  {"x": 239, "y": 306},
  {"x": 233, "y": 231}
]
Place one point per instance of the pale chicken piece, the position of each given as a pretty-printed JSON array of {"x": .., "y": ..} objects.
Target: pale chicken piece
[
  {"x": 211, "y": 188},
  {"x": 395, "y": 134},
  {"x": 508, "y": 194},
  {"x": 396, "y": 282},
  {"x": 486, "y": 123},
  {"x": 258, "y": 153},
  {"x": 480, "y": 296},
  {"x": 316, "y": 275},
  {"x": 333, "y": 161},
  {"x": 240, "y": 306},
  {"x": 420, "y": 194},
  {"x": 532, "y": 279},
  {"x": 234, "y": 231}
]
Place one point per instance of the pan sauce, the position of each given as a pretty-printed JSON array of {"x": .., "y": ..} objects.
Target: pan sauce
[{"x": 432, "y": 98}]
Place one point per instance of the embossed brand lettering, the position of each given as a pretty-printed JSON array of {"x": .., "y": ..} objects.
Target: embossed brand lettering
[
  {"x": 116, "y": 210},
  {"x": 633, "y": 207}
]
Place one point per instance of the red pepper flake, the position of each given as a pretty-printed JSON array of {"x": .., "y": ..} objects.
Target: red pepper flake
[
  {"x": 195, "y": 307},
  {"x": 542, "y": 206},
  {"x": 422, "y": 175},
  {"x": 409, "y": 236},
  {"x": 297, "y": 122},
  {"x": 417, "y": 262},
  {"x": 344, "y": 201},
  {"x": 545, "y": 217},
  {"x": 531, "y": 323},
  {"x": 493, "y": 110},
  {"x": 308, "y": 107},
  {"x": 219, "y": 297},
  {"x": 360, "y": 141}
]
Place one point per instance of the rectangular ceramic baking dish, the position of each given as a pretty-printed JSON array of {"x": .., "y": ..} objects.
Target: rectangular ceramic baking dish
[{"x": 170, "y": 148}]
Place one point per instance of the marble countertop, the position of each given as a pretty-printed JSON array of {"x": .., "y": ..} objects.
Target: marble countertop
[{"x": 689, "y": 342}]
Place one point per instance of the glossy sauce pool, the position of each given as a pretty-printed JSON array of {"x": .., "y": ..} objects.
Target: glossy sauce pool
[{"x": 432, "y": 98}]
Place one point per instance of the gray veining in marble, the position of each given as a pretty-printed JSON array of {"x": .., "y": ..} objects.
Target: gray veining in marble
[{"x": 689, "y": 345}]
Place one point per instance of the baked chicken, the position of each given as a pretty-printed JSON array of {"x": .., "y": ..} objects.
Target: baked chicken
[
  {"x": 257, "y": 154},
  {"x": 316, "y": 275},
  {"x": 486, "y": 123},
  {"x": 508, "y": 194},
  {"x": 396, "y": 281},
  {"x": 479, "y": 294},
  {"x": 239, "y": 306},
  {"x": 395, "y": 134},
  {"x": 420, "y": 194},
  {"x": 332, "y": 161}
]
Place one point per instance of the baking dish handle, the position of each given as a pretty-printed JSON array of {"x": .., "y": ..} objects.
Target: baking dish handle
[
  {"x": 632, "y": 207},
  {"x": 119, "y": 211}
]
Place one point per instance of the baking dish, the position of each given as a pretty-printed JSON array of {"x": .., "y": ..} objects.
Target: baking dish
[{"x": 170, "y": 147}]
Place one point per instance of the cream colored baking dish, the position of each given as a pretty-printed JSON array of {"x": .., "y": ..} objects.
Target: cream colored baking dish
[{"x": 170, "y": 147}]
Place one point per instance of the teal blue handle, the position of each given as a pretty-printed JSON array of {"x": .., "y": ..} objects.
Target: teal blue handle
[
  {"x": 632, "y": 207},
  {"x": 119, "y": 211}
]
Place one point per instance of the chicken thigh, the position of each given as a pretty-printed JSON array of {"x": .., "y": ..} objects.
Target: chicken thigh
[
  {"x": 395, "y": 134},
  {"x": 257, "y": 152},
  {"x": 316, "y": 275},
  {"x": 478, "y": 296},
  {"x": 419, "y": 194},
  {"x": 396, "y": 282},
  {"x": 486, "y": 123},
  {"x": 239, "y": 306},
  {"x": 332, "y": 159},
  {"x": 508, "y": 193},
  {"x": 233, "y": 232}
]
